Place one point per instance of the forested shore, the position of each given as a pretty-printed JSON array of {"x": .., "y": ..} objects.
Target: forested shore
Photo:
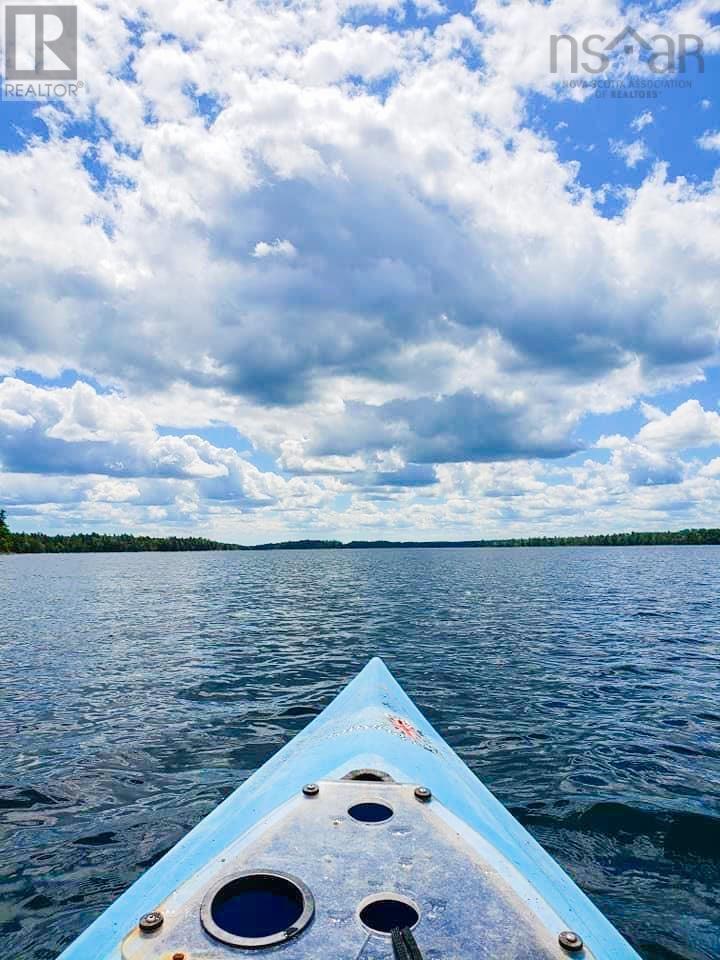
[
  {"x": 128, "y": 543},
  {"x": 100, "y": 542}
]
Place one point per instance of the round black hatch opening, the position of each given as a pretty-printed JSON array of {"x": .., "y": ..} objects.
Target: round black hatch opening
[
  {"x": 384, "y": 913},
  {"x": 257, "y": 909},
  {"x": 370, "y": 812},
  {"x": 368, "y": 776}
]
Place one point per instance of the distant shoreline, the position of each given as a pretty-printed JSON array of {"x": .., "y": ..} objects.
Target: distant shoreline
[{"x": 26, "y": 543}]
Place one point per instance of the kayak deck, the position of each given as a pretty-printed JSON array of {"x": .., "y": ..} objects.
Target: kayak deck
[
  {"x": 479, "y": 885},
  {"x": 414, "y": 857}
]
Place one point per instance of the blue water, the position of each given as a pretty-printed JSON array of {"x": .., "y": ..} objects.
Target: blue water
[{"x": 582, "y": 686}]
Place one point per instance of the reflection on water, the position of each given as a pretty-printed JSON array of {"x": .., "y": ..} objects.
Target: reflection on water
[{"x": 582, "y": 686}]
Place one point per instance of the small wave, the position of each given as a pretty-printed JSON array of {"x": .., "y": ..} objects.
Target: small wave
[
  {"x": 680, "y": 833},
  {"x": 97, "y": 840},
  {"x": 14, "y": 798}
]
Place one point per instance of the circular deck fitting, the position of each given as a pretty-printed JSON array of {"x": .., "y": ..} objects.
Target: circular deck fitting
[
  {"x": 151, "y": 921},
  {"x": 569, "y": 940},
  {"x": 370, "y": 812},
  {"x": 423, "y": 794},
  {"x": 311, "y": 790},
  {"x": 258, "y": 908},
  {"x": 383, "y": 912},
  {"x": 369, "y": 776}
]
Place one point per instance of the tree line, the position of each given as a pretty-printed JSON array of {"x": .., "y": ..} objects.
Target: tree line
[
  {"x": 634, "y": 538},
  {"x": 127, "y": 543},
  {"x": 100, "y": 542}
]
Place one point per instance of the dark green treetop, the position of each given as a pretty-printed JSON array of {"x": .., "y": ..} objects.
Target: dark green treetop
[{"x": 5, "y": 536}]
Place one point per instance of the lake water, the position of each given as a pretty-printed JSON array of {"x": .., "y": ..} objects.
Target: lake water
[{"x": 581, "y": 685}]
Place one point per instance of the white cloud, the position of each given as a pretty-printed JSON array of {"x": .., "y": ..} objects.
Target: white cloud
[
  {"x": 651, "y": 412},
  {"x": 75, "y": 430},
  {"x": 632, "y": 153},
  {"x": 643, "y": 465},
  {"x": 347, "y": 241},
  {"x": 471, "y": 224},
  {"x": 710, "y": 140},
  {"x": 113, "y": 491},
  {"x": 643, "y": 479},
  {"x": 711, "y": 469},
  {"x": 278, "y": 248},
  {"x": 642, "y": 120},
  {"x": 652, "y": 457},
  {"x": 689, "y": 425}
]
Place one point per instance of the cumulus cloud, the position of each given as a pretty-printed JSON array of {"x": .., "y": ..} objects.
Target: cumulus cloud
[
  {"x": 278, "y": 248},
  {"x": 642, "y": 120},
  {"x": 478, "y": 215},
  {"x": 652, "y": 456},
  {"x": 461, "y": 427},
  {"x": 631, "y": 153},
  {"x": 643, "y": 465},
  {"x": 76, "y": 431},
  {"x": 383, "y": 491},
  {"x": 347, "y": 240},
  {"x": 710, "y": 140},
  {"x": 113, "y": 491},
  {"x": 689, "y": 425}
]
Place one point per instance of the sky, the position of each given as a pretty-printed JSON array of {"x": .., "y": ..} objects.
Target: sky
[{"x": 359, "y": 271}]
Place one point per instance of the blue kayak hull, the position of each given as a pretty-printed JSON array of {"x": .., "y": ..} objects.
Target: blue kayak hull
[{"x": 463, "y": 832}]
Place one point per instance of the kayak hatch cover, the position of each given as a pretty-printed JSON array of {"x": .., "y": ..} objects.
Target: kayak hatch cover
[{"x": 364, "y": 827}]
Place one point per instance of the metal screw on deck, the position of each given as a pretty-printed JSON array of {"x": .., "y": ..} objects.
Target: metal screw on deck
[
  {"x": 423, "y": 794},
  {"x": 569, "y": 940},
  {"x": 151, "y": 921},
  {"x": 311, "y": 790}
]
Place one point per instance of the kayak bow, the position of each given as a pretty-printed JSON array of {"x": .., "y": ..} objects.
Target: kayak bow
[{"x": 364, "y": 827}]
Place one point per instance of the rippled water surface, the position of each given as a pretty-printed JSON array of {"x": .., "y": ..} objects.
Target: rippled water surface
[{"x": 582, "y": 686}]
